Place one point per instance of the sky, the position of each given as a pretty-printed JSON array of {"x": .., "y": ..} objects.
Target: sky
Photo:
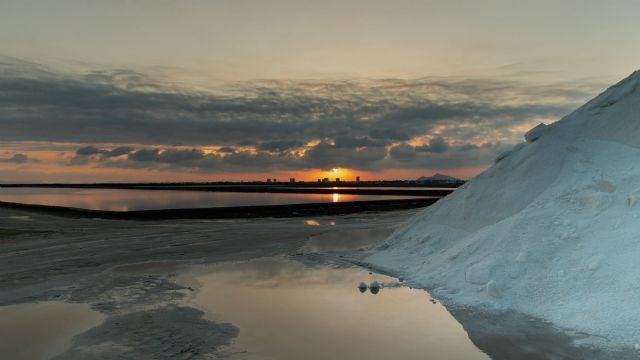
[{"x": 159, "y": 90}]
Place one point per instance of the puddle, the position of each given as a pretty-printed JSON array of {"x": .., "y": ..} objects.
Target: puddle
[
  {"x": 313, "y": 222},
  {"x": 42, "y": 330},
  {"x": 134, "y": 199},
  {"x": 286, "y": 310}
]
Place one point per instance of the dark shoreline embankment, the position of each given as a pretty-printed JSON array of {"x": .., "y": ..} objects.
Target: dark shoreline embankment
[
  {"x": 341, "y": 189},
  {"x": 276, "y": 211}
]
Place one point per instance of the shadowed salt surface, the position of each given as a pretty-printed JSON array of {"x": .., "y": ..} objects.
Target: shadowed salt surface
[
  {"x": 285, "y": 310},
  {"x": 509, "y": 336},
  {"x": 42, "y": 330}
]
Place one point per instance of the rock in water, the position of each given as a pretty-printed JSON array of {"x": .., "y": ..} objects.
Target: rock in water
[
  {"x": 550, "y": 230},
  {"x": 374, "y": 287}
]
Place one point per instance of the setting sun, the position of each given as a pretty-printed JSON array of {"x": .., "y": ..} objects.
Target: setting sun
[{"x": 344, "y": 174}]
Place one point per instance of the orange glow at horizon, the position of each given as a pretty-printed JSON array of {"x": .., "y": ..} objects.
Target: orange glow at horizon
[
  {"x": 344, "y": 174},
  {"x": 53, "y": 172},
  {"x": 54, "y": 166}
]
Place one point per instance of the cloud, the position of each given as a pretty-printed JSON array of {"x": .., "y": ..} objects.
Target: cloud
[
  {"x": 165, "y": 156},
  {"x": 345, "y": 141},
  {"x": 436, "y": 145},
  {"x": 178, "y": 155},
  {"x": 87, "y": 151},
  {"x": 87, "y": 154},
  {"x": 363, "y": 123},
  {"x": 465, "y": 155},
  {"x": 145, "y": 155},
  {"x": 279, "y": 145},
  {"x": 19, "y": 158},
  {"x": 119, "y": 151},
  {"x": 91, "y": 150},
  {"x": 325, "y": 156},
  {"x": 227, "y": 149},
  {"x": 403, "y": 152}
]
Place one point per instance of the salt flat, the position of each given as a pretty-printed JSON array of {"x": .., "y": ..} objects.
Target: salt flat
[{"x": 123, "y": 283}]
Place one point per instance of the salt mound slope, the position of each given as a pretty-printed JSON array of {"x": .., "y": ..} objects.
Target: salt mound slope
[{"x": 551, "y": 230}]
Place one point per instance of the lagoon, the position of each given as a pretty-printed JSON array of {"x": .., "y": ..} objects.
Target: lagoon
[{"x": 131, "y": 200}]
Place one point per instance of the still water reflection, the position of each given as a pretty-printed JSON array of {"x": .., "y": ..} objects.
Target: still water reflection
[
  {"x": 286, "y": 310},
  {"x": 42, "y": 330},
  {"x": 125, "y": 200}
]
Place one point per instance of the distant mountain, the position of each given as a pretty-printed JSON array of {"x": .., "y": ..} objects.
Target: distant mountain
[{"x": 438, "y": 177}]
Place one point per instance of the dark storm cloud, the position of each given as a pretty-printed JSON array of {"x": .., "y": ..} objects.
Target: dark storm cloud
[{"x": 352, "y": 120}]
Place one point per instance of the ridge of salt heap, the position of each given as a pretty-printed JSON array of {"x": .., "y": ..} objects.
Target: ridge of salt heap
[{"x": 551, "y": 230}]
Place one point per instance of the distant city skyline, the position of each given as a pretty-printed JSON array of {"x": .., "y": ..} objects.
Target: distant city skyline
[{"x": 244, "y": 90}]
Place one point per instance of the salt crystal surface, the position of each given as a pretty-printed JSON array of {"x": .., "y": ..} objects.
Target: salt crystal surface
[{"x": 550, "y": 230}]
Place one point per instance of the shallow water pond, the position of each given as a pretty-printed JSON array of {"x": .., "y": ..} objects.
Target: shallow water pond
[
  {"x": 128, "y": 200},
  {"x": 286, "y": 310}
]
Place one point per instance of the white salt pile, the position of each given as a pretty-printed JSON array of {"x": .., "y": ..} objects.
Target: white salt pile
[{"x": 551, "y": 230}]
